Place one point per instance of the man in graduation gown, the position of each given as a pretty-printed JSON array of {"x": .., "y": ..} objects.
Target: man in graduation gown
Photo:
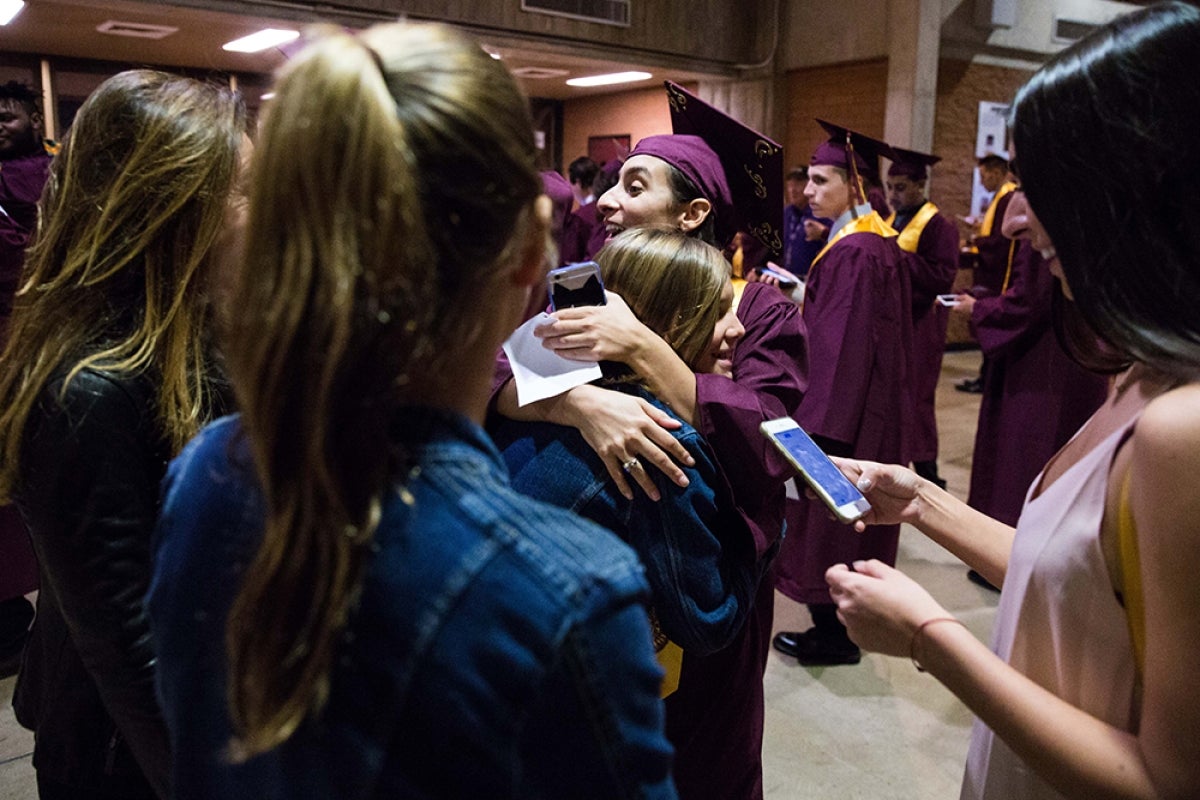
[
  {"x": 1034, "y": 396},
  {"x": 588, "y": 216},
  {"x": 994, "y": 251},
  {"x": 24, "y": 166},
  {"x": 929, "y": 240},
  {"x": 800, "y": 245},
  {"x": 858, "y": 312}
]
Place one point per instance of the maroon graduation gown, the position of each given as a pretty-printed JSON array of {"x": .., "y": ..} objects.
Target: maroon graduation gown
[
  {"x": 858, "y": 311},
  {"x": 994, "y": 249},
  {"x": 21, "y": 182},
  {"x": 592, "y": 224},
  {"x": 932, "y": 265},
  {"x": 1034, "y": 396},
  {"x": 715, "y": 717}
]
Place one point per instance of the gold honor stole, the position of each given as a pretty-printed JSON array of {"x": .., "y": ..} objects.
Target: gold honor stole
[
  {"x": 989, "y": 217},
  {"x": 669, "y": 656},
  {"x": 911, "y": 235},
  {"x": 869, "y": 223}
]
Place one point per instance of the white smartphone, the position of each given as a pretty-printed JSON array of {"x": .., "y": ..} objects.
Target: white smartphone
[
  {"x": 779, "y": 276},
  {"x": 576, "y": 285},
  {"x": 948, "y": 300},
  {"x": 822, "y": 475}
]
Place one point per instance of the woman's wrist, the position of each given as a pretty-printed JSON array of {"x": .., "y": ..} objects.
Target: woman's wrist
[{"x": 916, "y": 652}]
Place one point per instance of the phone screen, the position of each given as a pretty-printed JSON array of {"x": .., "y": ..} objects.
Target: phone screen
[
  {"x": 817, "y": 466},
  {"x": 576, "y": 285}
]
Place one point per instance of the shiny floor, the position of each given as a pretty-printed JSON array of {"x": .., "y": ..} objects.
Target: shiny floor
[{"x": 878, "y": 729}]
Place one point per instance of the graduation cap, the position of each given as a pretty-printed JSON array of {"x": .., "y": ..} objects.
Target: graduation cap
[
  {"x": 736, "y": 168},
  {"x": 852, "y": 151},
  {"x": 555, "y": 187},
  {"x": 846, "y": 146},
  {"x": 911, "y": 164}
]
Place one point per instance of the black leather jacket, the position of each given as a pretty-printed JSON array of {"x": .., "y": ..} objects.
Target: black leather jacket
[{"x": 92, "y": 464}]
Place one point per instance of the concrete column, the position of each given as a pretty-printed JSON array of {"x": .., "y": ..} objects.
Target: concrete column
[
  {"x": 913, "y": 41},
  {"x": 49, "y": 102}
]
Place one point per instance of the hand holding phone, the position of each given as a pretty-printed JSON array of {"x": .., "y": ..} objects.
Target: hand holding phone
[
  {"x": 785, "y": 279},
  {"x": 822, "y": 475},
  {"x": 576, "y": 285}
]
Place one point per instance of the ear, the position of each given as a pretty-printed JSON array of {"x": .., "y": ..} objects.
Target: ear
[
  {"x": 531, "y": 268},
  {"x": 693, "y": 214}
]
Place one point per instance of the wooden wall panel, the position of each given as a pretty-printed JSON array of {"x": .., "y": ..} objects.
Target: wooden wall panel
[
  {"x": 709, "y": 30},
  {"x": 639, "y": 113},
  {"x": 852, "y": 94},
  {"x": 962, "y": 85}
]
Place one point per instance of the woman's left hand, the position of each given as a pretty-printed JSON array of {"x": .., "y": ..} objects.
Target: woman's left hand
[
  {"x": 881, "y": 607},
  {"x": 596, "y": 333}
]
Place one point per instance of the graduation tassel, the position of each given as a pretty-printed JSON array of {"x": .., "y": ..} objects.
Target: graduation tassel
[{"x": 856, "y": 184}]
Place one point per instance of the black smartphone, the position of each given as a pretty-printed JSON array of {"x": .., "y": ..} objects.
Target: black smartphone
[{"x": 576, "y": 285}]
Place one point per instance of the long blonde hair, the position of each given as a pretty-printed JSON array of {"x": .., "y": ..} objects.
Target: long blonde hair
[
  {"x": 394, "y": 173},
  {"x": 672, "y": 283},
  {"x": 114, "y": 277}
]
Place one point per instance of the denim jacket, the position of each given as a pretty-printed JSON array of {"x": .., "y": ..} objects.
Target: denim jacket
[
  {"x": 500, "y": 647},
  {"x": 697, "y": 549}
]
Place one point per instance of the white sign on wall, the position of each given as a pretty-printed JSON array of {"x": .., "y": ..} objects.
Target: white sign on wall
[{"x": 991, "y": 137}]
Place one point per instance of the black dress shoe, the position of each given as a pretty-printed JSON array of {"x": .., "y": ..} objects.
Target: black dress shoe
[
  {"x": 975, "y": 577},
  {"x": 10, "y": 656},
  {"x": 970, "y": 386},
  {"x": 812, "y": 648}
]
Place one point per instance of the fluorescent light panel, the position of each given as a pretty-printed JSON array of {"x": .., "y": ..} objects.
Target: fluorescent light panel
[
  {"x": 609, "y": 79},
  {"x": 9, "y": 10},
  {"x": 268, "y": 37}
]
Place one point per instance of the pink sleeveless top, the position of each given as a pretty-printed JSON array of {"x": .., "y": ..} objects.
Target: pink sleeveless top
[{"x": 1059, "y": 622}]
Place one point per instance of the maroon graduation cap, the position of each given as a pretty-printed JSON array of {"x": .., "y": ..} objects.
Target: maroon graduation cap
[
  {"x": 852, "y": 151},
  {"x": 736, "y": 168},
  {"x": 912, "y": 164}
]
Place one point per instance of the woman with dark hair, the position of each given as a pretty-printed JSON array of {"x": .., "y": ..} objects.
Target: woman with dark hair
[
  {"x": 349, "y": 599},
  {"x": 107, "y": 372},
  {"x": 1090, "y": 687}
]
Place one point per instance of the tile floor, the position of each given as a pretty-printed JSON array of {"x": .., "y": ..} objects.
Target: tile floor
[{"x": 878, "y": 729}]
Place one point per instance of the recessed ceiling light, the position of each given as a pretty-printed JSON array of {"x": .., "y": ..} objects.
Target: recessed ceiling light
[
  {"x": 539, "y": 73},
  {"x": 269, "y": 37},
  {"x": 138, "y": 30},
  {"x": 9, "y": 9},
  {"x": 609, "y": 79}
]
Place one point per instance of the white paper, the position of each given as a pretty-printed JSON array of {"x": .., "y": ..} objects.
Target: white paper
[{"x": 539, "y": 371}]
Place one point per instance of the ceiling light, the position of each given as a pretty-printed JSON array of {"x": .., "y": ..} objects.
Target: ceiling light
[
  {"x": 269, "y": 37},
  {"x": 267, "y": 96},
  {"x": 609, "y": 79},
  {"x": 139, "y": 30},
  {"x": 9, "y": 9},
  {"x": 539, "y": 73}
]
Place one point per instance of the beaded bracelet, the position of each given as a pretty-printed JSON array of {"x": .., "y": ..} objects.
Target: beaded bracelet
[{"x": 912, "y": 645}]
